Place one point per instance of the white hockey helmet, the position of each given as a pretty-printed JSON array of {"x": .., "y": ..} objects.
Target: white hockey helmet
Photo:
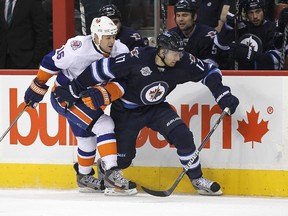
[{"x": 102, "y": 26}]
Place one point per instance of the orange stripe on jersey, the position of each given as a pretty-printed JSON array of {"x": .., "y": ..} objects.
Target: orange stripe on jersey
[
  {"x": 114, "y": 91},
  {"x": 43, "y": 76},
  {"x": 80, "y": 115},
  {"x": 107, "y": 149},
  {"x": 86, "y": 161}
]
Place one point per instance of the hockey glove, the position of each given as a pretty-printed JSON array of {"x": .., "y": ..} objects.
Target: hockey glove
[
  {"x": 96, "y": 97},
  {"x": 224, "y": 98},
  {"x": 35, "y": 93},
  {"x": 242, "y": 52},
  {"x": 232, "y": 19},
  {"x": 68, "y": 94}
]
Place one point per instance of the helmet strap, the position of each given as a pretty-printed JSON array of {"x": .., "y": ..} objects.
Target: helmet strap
[{"x": 165, "y": 51}]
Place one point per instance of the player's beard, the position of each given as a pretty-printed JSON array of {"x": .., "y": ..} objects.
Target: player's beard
[{"x": 186, "y": 29}]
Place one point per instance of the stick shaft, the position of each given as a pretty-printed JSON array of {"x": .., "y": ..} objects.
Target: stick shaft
[{"x": 14, "y": 122}]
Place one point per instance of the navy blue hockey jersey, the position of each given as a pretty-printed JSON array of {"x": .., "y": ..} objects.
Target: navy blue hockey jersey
[{"x": 147, "y": 84}]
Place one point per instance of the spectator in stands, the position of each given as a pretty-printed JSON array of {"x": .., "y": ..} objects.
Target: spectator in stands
[
  {"x": 126, "y": 35},
  {"x": 213, "y": 13},
  {"x": 250, "y": 43},
  {"x": 198, "y": 38},
  {"x": 23, "y": 34}
]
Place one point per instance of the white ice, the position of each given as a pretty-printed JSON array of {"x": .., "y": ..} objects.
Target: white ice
[{"x": 39, "y": 202}]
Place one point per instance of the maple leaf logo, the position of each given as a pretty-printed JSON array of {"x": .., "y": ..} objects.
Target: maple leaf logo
[{"x": 252, "y": 131}]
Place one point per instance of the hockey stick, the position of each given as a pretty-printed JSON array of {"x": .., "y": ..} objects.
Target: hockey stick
[
  {"x": 168, "y": 192},
  {"x": 236, "y": 29},
  {"x": 164, "y": 15},
  {"x": 83, "y": 19},
  {"x": 282, "y": 59},
  {"x": 16, "y": 119}
]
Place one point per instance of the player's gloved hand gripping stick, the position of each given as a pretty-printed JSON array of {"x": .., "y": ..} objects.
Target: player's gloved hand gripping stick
[{"x": 168, "y": 192}]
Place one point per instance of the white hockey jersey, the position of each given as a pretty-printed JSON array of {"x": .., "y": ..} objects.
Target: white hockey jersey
[{"x": 74, "y": 57}]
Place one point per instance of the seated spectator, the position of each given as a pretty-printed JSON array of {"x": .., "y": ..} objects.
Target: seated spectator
[
  {"x": 252, "y": 47},
  {"x": 23, "y": 34},
  {"x": 126, "y": 35}
]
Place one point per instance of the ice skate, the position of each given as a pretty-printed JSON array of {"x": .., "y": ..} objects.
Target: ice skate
[
  {"x": 206, "y": 187},
  {"x": 89, "y": 184},
  {"x": 117, "y": 185}
]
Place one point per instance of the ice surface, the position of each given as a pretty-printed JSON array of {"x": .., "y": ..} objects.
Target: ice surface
[{"x": 39, "y": 202}]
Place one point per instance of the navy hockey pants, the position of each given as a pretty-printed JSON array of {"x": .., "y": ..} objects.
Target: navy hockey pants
[{"x": 159, "y": 117}]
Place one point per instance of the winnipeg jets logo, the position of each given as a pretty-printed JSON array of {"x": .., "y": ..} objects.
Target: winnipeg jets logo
[
  {"x": 146, "y": 71},
  {"x": 211, "y": 34},
  {"x": 136, "y": 36},
  {"x": 154, "y": 93},
  {"x": 134, "y": 52},
  {"x": 251, "y": 43}
]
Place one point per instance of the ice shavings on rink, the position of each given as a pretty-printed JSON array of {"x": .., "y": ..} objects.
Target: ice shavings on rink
[{"x": 39, "y": 202}]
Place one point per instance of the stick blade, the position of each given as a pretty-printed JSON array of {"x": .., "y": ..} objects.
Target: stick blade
[{"x": 157, "y": 193}]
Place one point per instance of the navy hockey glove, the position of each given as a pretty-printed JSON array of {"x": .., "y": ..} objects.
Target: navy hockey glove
[
  {"x": 96, "y": 97},
  {"x": 231, "y": 20},
  {"x": 224, "y": 98},
  {"x": 242, "y": 52},
  {"x": 68, "y": 94},
  {"x": 35, "y": 93}
]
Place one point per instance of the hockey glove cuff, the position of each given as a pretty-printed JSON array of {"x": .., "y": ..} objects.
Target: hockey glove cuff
[
  {"x": 224, "y": 98},
  {"x": 68, "y": 94},
  {"x": 35, "y": 93},
  {"x": 96, "y": 97}
]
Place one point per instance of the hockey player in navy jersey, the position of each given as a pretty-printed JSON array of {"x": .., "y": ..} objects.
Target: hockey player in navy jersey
[
  {"x": 91, "y": 129},
  {"x": 252, "y": 45},
  {"x": 198, "y": 38},
  {"x": 151, "y": 74},
  {"x": 126, "y": 35}
]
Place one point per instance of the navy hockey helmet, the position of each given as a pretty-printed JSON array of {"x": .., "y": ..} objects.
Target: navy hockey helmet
[
  {"x": 171, "y": 41},
  {"x": 253, "y": 4},
  {"x": 110, "y": 11},
  {"x": 187, "y": 6}
]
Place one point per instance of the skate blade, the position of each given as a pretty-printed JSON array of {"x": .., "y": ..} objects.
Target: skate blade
[
  {"x": 119, "y": 192},
  {"x": 206, "y": 193}
]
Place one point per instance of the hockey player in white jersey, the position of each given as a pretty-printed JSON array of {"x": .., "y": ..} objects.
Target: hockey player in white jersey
[{"x": 92, "y": 129}]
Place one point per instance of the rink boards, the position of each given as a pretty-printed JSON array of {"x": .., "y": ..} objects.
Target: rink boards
[{"x": 247, "y": 154}]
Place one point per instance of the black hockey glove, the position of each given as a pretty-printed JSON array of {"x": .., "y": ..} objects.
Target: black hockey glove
[
  {"x": 68, "y": 94},
  {"x": 224, "y": 99},
  {"x": 231, "y": 20},
  {"x": 242, "y": 52},
  {"x": 96, "y": 97},
  {"x": 35, "y": 93}
]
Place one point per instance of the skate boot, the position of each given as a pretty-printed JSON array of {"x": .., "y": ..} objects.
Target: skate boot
[
  {"x": 206, "y": 187},
  {"x": 88, "y": 183},
  {"x": 117, "y": 185}
]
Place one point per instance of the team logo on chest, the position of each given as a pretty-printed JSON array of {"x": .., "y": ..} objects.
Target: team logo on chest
[
  {"x": 146, "y": 71},
  {"x": 154, "y": 93}
]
